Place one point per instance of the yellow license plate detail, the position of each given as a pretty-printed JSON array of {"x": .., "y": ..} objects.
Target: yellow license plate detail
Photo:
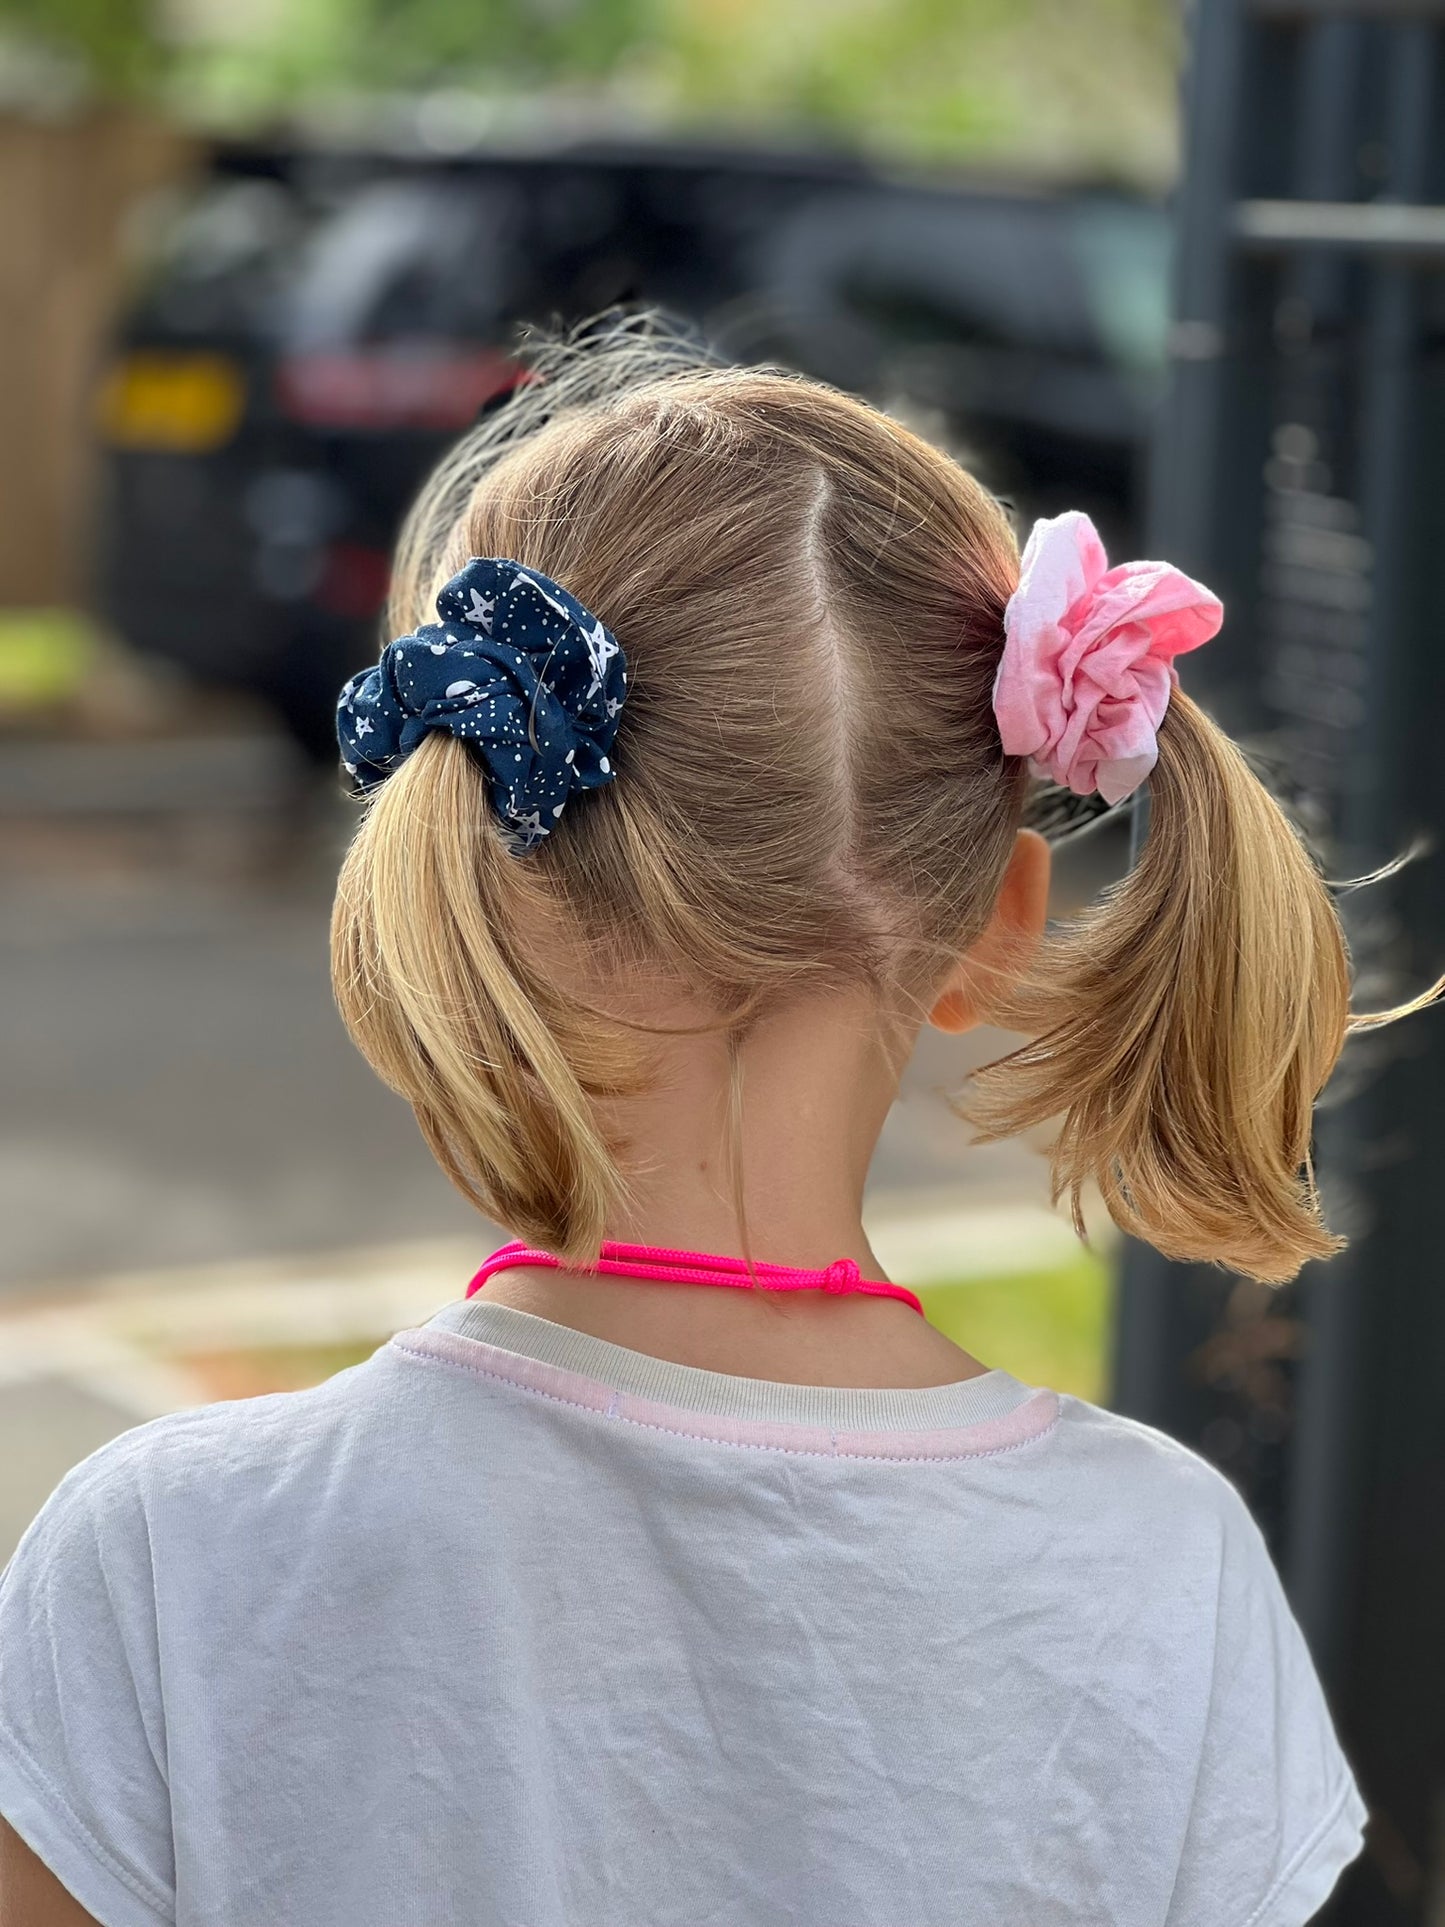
[{"x": 182, "y": 404}]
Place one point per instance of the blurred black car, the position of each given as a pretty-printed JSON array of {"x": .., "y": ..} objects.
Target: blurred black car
[{"x": 312, "y": 329}]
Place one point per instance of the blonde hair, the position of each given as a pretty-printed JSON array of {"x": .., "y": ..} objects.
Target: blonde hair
[{"x": 811, "y": 791}]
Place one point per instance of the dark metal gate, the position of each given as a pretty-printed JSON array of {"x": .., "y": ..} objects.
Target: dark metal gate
[{"x": 1300, "y": 471}]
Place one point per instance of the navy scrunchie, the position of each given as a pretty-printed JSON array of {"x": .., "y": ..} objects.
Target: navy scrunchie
[{"x": 516, "y": 667}]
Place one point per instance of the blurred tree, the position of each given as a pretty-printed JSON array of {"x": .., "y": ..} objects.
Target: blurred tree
[
  {"x": 1061, "y": 83},
  {"x": 488, "y": 39},
  {"x": 112, "y": 42},
  {"x": 1058, "y": 81},
  {"x": 129, "y": 44}
]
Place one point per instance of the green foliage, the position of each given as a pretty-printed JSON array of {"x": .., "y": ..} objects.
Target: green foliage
[
  {"x": 125, "y": 44},
  {"x": 480, "y": 43},
  {"x": 114, "y": 41},
  {"x": 1056, "y": 81},
  {"x": 494, "y": 39}
]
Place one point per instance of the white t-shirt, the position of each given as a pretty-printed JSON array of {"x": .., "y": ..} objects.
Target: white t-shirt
[{"x": 511, "y": 1627}]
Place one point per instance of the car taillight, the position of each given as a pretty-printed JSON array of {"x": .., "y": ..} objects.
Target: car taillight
[
  {"x": 354, "y": 581},
  {"x": 423, "y": 386}
]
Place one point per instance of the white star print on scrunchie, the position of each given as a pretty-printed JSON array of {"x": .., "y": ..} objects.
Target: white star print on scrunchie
[{"x": 518, "y": 668}]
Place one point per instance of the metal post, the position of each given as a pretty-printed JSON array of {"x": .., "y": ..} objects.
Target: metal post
[{"x": 1300, "y": 469}]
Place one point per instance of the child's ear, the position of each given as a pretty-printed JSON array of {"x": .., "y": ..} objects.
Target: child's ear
[{"x": 990, "y": 966}]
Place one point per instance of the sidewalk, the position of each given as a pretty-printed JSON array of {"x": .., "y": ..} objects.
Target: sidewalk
[
  {"x": 179, "y": 1091},
  {"x": 81, "y": 1363}
]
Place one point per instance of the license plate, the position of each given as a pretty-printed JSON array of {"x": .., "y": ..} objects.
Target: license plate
[{"x": 182, "y": 404}]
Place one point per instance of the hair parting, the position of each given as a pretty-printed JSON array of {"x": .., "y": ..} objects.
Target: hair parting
[{"x": 813, "y": 794}]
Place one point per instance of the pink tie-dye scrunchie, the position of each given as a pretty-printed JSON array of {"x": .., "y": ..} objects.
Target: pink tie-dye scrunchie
[{"x": 1087, "y": 664}]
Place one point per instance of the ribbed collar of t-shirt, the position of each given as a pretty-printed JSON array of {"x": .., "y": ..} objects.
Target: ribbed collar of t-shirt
[{"x": 970, "y": 1401}]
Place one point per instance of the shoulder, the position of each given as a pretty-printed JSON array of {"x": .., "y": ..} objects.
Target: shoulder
[
  {"x": 1173, "y": 1576},
  {"x": 210, "y": 1461},
  {"x": 1119, "y": 1469},
  {"x": 1154, "y": 1459}
]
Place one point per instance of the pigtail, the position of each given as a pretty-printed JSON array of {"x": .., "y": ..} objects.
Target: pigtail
[
  {"x": 430, "y": 974},
  {"x": 810, "y": 792},
  {"x": 1184, "y": 1028}
]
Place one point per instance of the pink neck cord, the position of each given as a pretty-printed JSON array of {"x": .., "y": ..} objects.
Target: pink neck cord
[{"x": 699, "y": 1268}]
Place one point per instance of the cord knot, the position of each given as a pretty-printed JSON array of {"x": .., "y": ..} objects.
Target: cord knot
[{"x": 841, "y": 1275}]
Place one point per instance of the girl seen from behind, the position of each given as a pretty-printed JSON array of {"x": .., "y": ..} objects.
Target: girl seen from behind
[{"x": 680, "y": 1571}]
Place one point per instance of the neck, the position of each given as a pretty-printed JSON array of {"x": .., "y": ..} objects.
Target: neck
[
  {"x": 787, "y": 1131},
  {"x": 813, "y": 1086}
]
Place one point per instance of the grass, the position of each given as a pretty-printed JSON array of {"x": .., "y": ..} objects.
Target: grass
[
  {"x": 1047, "y": 1327},
  {"x": 45, "y": 656}
]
